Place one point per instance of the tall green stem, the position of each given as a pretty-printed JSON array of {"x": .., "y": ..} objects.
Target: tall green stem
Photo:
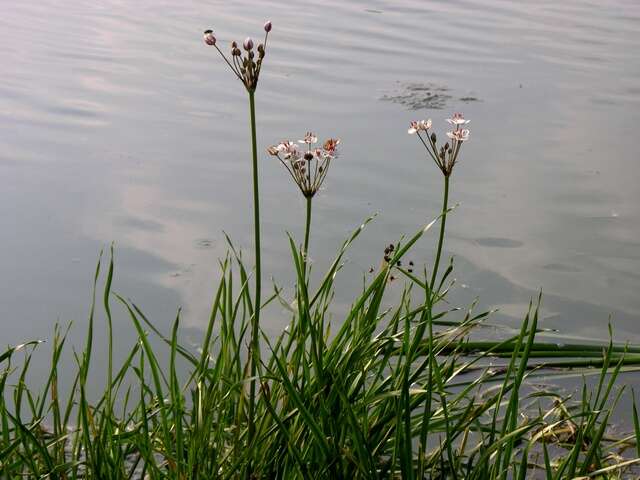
[
  {"x": 443, "y": 222},
  {"x": 255, "y": 323},
  {"x": 306, "y": 234}
]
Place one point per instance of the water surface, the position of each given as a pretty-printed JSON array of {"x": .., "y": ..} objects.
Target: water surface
[{"x": 119, "y": 124}]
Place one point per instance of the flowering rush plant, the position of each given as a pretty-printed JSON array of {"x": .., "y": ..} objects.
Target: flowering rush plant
[
  {"x": 445, "y": 156},
  {"x": 244, "y": 65},
  {"x": 308, "y": 168}
]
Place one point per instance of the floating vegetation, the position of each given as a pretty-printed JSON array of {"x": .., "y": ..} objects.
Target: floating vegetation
[{"x": 424, "y": 96}]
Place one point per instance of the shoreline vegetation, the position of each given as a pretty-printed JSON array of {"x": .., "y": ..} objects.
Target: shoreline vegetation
[{"x": 409, "y": 391}]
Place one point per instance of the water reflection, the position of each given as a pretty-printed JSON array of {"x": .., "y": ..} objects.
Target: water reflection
[{"x": 118, "y": 124}]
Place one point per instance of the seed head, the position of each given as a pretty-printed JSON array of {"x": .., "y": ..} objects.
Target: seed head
[{"x": 209, "y": 37}]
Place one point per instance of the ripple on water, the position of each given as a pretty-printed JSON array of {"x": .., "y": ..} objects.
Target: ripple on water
[{"x": 498, "y": 242}]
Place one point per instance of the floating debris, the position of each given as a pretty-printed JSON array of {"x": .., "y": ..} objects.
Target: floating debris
[{"x": 421, "y": 96}]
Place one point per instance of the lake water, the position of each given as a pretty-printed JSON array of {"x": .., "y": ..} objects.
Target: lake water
[{"x": 119, "y": 124}]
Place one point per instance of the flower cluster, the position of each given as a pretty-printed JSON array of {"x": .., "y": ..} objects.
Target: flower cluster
[
  {"x": 244, "y": 65},
  {"x": 308, "y": 167},
  {"x": 445, "y": 156}
]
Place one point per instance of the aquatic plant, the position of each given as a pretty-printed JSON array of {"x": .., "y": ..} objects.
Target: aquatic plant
[
  {"x": 406, "y": 388},
  {"x": 247, "y": 68},
  {"x": 308, "y": 169}
]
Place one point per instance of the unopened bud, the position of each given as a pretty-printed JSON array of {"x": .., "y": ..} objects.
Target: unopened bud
[
  {"x": 209, "y": 37},
  {"x": 267, "y": 26},
  {"x": 234, "y": 45},
  {"x": 248, "y": 43},
  {"x": 308, "y": 156},
  {"x": 433, "y": 137}
]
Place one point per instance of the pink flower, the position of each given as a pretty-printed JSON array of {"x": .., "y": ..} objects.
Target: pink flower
[
  {"x": 309, "y": 138},
  {"x": 330, "y": 146},
  {"x": 209, "y": 37},
  {"x": 459, "y": 135},
  {"x": 289, "y": 150},
  {"x": 415, "y": 127},
  {"x": 457, "y": 119}
]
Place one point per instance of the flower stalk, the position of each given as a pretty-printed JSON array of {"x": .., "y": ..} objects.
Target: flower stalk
[
  {"x": 308, "y": 170},
  {"x": 247, "y": 67},
  {"x": 445, "y": 158}
]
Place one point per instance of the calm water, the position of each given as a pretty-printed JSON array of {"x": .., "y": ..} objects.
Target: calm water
[{"x": 119, "y": 124}]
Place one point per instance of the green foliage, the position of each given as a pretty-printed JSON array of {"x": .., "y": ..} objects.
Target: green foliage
[{"x": 402, "y": 392}]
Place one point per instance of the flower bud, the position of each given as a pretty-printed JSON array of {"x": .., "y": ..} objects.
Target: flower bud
[
  {"x": 234, "y": 45},
  {"x": 209, "y": 38},
  {"x": 267, "y": 26},
  {"x": 433, "y": 137},
  {"x": 248, "y": 43}
]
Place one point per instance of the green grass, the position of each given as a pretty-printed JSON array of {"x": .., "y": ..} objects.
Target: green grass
[{"x": 402, "y": 392}]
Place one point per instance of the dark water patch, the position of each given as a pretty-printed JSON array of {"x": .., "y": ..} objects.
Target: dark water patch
[
  {"x": 420, "y": 96},
  {"x": 424, "y": 96},
  {"x": 561, "y": 267}
]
